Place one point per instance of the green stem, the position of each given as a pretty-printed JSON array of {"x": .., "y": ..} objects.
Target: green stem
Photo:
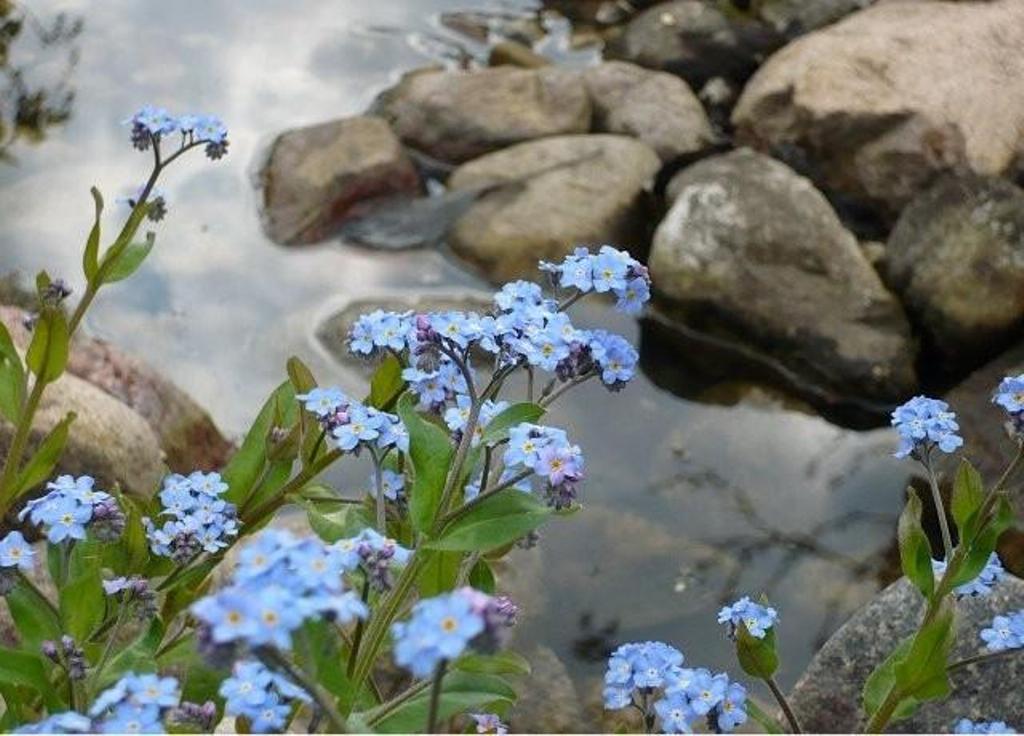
[
  {"x": 8, "y": 489},
  {"x": 983, "y": 658},
  {"x": 357, "y": 638},
  {"x": 378, "y": 714},
  {"x": 435, "y": 696},
  {"x": 940, "y": 509},
  {"x": 483, "y": 496},
  {"x": 324, "y": 700},
  {"x": 39, "y": 594},
  {"x": 794, "y": 723},
  {"x": 378, "y": 479},
  {"x": 108, "y": 648}
]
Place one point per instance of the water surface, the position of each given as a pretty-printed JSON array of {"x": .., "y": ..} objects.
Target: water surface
[{"x": 686, "y": 503}]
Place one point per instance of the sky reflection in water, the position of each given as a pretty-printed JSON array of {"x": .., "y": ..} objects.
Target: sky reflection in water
[{"x": 678, "y": 492}]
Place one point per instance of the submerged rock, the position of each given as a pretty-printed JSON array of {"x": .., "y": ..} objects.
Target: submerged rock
[
  {"x": 695, "y": 40},
  {"x": 794, "y": 17},
  {"x": 315, "y": 178},
  {"x": 548, "y": 701},
  {"x": 875, "y": 105},
  {"x": 750, "y": 249},
  {"x": 455, "y": 116},
  {"x": 562, "y": 191},
  {"x": 654, "y": 107},
  {"x": 956, "y": 256},
  {"x": 827, "y": 697}
]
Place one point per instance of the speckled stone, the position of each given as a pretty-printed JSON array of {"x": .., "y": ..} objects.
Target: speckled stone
[{"x": 827, "y": 697}]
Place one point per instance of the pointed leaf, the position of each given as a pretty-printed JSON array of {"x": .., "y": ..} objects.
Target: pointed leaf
[
  {"x": 246, "y": 465},
  {"x": 47, "y": 355},
  {"x": 431, "y": 453},
  {"x": 500, "y": 519},
  {"x": 24, "y": 668},
  {"x": 44, "y": 461},
  {"x": 915, "y": 550},
  {"x": 968, "y": 495},
  {"x": 757, "y": 657},
  {"x": 12, "y": 378},
  {"x": 387, "y": 383},
  {"x": 129, "y": 260},
  {"x": 90, "y": 258},
  {"x": 460, "y": 692}
]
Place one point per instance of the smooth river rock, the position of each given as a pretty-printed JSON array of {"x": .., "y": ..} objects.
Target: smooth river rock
[
  {"x": 550, "y": 196},
  {"x": 828, "y": 695},
  {"x": 455, "y": 116},
  {"x": 875, "y": 105},
  {"x": 695, "y": 40},
  {"x": 654, "y": 107},
  {"x": 956, "y": 256},
  {"x": 751, "y": 249},
  {"x": 107, "y": 440},
  {"x": 315, "y": 178}
]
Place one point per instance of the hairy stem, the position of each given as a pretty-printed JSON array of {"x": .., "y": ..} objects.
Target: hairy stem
[
  {"x": 324, "y": 700},
  {"x": 940, "y": 508},
  {"x": 435, "y": 696},
  {"x": 794, "y": 724}
]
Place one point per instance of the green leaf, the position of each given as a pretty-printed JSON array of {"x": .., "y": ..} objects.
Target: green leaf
[
  {"x": 431, "y": 453},
  {"x": 968, "y": 495},
  {"x": 504, "y": 517},
  {"x": 923, "y": 673},
  {"x": 880, "y": 682},
  {"x": 91, "y": 256},
  {"x": 12, "y": 378},
  {"x": 481, "y": 577},
  {"x": 505, "y": 662},
  {"x": 45, "y": 459},
  {"x": 342, "y": 523},
  {"x": 129, "y": 260},
  {"x": 82, "y": 602},
  {"x": 244, "y": 469},
  {"x": 460, "y": 692},
  {"x": 765, "y": 721},
  {"x": 497, "y": 428},
  {"x": 139, "y": 656},
  {"x": 439, "y": 573},
  {"x": 34, "y": 616},
  {"x": 47, "y": 355},
  {"x": 300, "y": 375},
  {"x": 757, "y": 657},
  {"x": 24, "y": 668},
  {"x": 387, "y": 383},
  {"x": 320, "y": 653},
  {"x": 915, "y": 550},
  {"x": 984, "y": 542}
]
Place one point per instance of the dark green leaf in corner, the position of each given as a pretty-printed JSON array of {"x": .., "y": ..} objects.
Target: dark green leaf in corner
[{"x": 915, "y": 550}]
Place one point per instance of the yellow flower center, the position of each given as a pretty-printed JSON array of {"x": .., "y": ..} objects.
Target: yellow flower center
[{"x": 449, "y": 624}]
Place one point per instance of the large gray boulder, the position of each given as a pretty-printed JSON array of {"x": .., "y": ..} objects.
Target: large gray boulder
[
  {"x": 695, "y": 40},
  {"x": 753, "y": 250},
  {"x": 827, "y": 698},
  {"x": 455, "y": 116},
  {"x": 875, "y": 105},
  {"x": 548, "y": 196},
  {"x": 654, "y": 107},
  {"x": 315, "y": 178},
  {"x": 956, "y": 256}
]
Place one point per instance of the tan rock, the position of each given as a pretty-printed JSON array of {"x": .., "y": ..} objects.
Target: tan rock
[
  {"x": 878, "y": 103},
  {"x": 560, "y": 192}
]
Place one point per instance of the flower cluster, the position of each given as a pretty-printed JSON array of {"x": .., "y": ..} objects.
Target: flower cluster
[
  {"x": 351, "y": 425},
  {"x": 135, "y": 704},
  {"x": 547, "y": 452},
  {"x": 263, "y": 697},
  {"x": 373, "y": 553},
  {"x": 67, "y": 654},
  {"x": 280, "y": 581},
  {"x": 489, "y": 723},
  {"x": 73, "y": 504},
  {"x": 151, "y": 124},
  {"x": 135, "y": 591},
  {"x": 982, "y": 585},
  {"x": 1010, "y": 396},
  {"x": 201, "y": 519},
  {"x": 610, "y": 270},
  {"x": 523, "y": 329},
  {"x": 924, "y": 424},
  {"x": 458, "y": 416},
  {"x": 441, "y": 628},
  {"x": 15, "y": 554},
  {"x": 638, "y": 672},
  {"x": 966, "y": 725},
  {"x": 757, "y": 619},
  {"x": 1006, "y": 632}
]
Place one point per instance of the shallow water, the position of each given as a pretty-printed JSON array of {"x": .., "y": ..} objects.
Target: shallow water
[{"x": 686, "y": 503}]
